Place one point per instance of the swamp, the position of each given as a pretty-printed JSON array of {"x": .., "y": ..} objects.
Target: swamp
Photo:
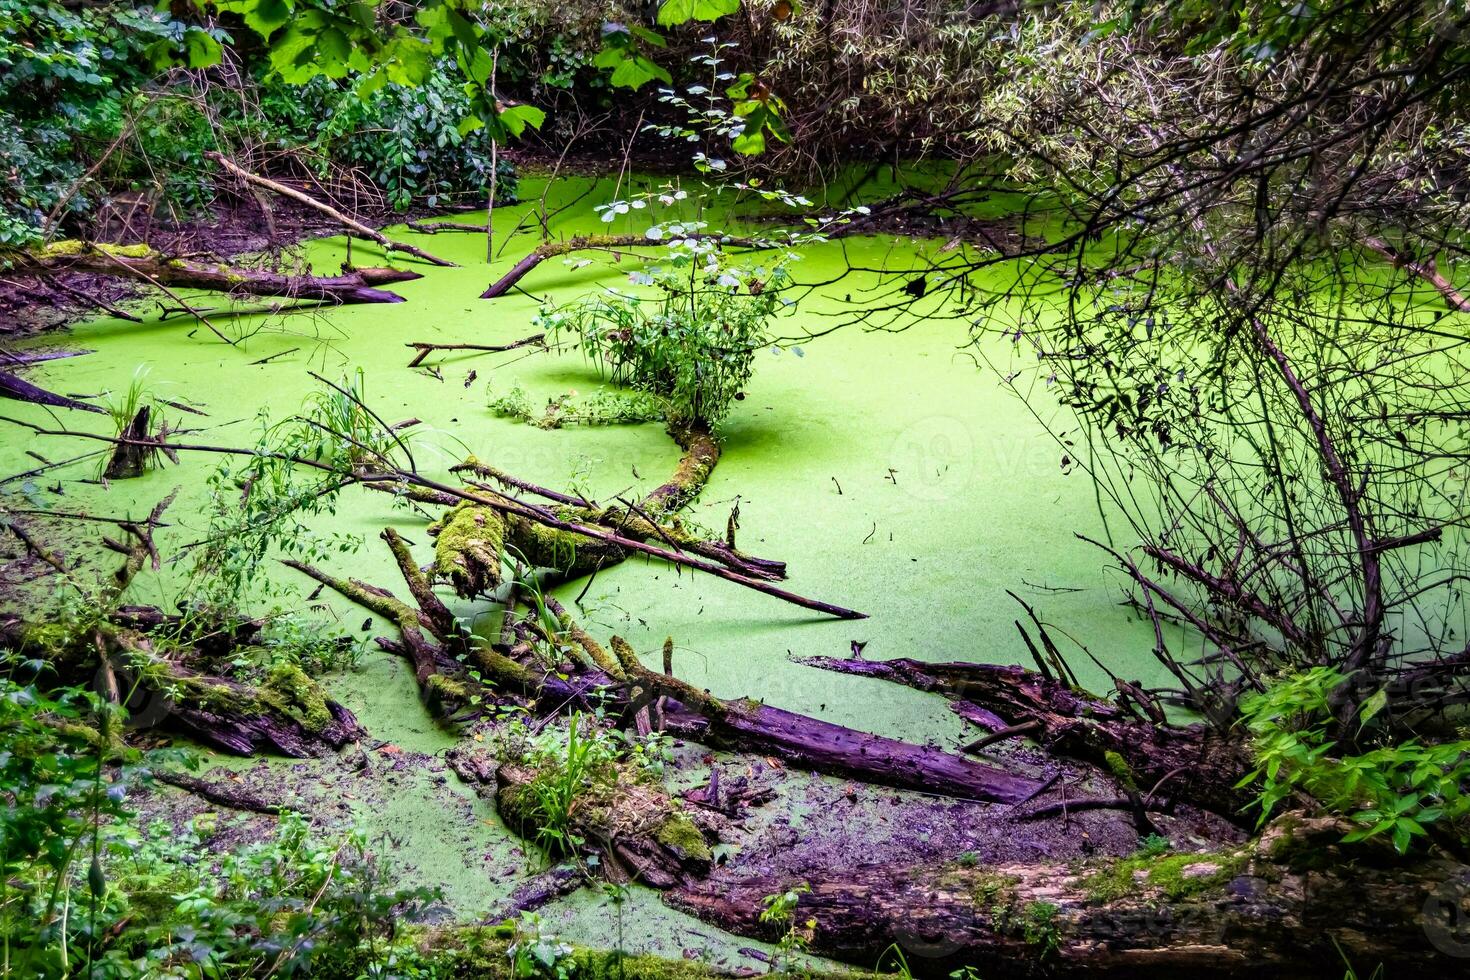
[{"x": 716, "y": 488}]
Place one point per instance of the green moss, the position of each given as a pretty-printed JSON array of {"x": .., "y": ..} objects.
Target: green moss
[
  {"x": 1121, "y": 770},
  {"x": 468, "y": 543},
  {"x": 483, "y": 953},
  {"x": 679, "y": 834},
  {"x": 442, "y": 692},
  {"x": 1172, "y": 876},
  {"x": 569, "y": 553},
  {"x": 71, "y": 247},
  {"x": 288, "y": 689},
  {"x": 989, "y": 888}
]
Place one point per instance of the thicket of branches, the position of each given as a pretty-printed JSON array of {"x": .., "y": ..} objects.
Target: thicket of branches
[{"x": 1260, "y": 211}]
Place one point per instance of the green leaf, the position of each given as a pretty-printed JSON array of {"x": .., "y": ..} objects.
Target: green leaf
[
  {"x": 201, "y": 50},
  {"x": 634, "y": 71},
  {"x": 334, "y": 50},
  {"x": 750, "y": 143},
  {"x": 674, "y": 12},
  {"x": 1371, "y": 707},
  {"x": 517, "y": 117},
  {"x": 265, "y": 16}
]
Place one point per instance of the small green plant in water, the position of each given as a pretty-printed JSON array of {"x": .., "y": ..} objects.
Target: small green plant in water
[{"x": 689, "y": 330}]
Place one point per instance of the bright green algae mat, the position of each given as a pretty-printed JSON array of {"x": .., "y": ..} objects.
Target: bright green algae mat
[{"x": 891, "y": 473}]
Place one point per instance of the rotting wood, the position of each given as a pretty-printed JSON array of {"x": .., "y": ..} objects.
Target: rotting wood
[{"x": 1290, "y": 904}]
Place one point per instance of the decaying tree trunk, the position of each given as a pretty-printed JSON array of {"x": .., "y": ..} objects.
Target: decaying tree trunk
[
  {"x": 289, "y": 714},
  {"x": 1191, "y": 763},
  {"x": 117, "y": 655},
  {"x": 471, "y": 538},
  {"x": 145, "y": 262},
  {"x": 130, "y": 458},
  {"x": 639, "y": 833},
  {"x": 1280, "y": 906}
]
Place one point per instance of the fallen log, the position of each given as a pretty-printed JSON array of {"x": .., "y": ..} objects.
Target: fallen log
[
  {"x": 1078, "y": 725},
  {"x": 635, "y": 828},
  {"x": 23, "y": 391},
  {"x": 1291, "y": 904},
  {"x": 288, "y": 714},
  {"x": 221, "y": 794},
  {"x": 551, "y": 250},
  {"x": 738, "y": 725},
  {"x": 146, "y": 262},
  {"x": 351, "y": 224}
]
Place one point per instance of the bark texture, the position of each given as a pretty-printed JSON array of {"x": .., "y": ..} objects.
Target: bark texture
[
  {"x": 1273, "y": 908},
  {"x": 1190, "y": 763}
]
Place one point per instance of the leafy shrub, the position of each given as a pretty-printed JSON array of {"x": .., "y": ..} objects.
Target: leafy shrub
[
  {"x": 1400, "y": 789},
  {"x": 146, "y": 905},
  {"x": 691, "y": 339},
  {"x": 407, "y": 140},
  {"x": 65, "y": 76}
]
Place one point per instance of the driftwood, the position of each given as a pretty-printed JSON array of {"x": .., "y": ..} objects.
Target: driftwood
[
  {"x": 551, "y": 250},
  {"x": 351, "y": 224},
  {"x": 1291, "y": 904},
  {"x": 1190, "y": 763},
  {"x": 149, "y": 263}
]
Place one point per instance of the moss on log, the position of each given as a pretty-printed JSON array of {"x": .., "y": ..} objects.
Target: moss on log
[
  {"x": 148, "y": 263},
  {"x": 1280, "y": 906}
]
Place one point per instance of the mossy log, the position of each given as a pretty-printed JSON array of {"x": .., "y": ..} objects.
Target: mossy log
[
  {"x": 638, "y": 831},
  {"x": 288, "y": 714},
  {"x": 1191, "y": 763},
  {"x": 638, "y": 523},
  {"x": 1293, "y": 903},
  {"x": 471, "y": 539},
  {"x": 483, "y": 953},
  {"x": 148, "y": 263}
]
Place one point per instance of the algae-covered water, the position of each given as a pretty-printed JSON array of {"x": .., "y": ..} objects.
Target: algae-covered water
[{"x": 891, "y": 472}]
